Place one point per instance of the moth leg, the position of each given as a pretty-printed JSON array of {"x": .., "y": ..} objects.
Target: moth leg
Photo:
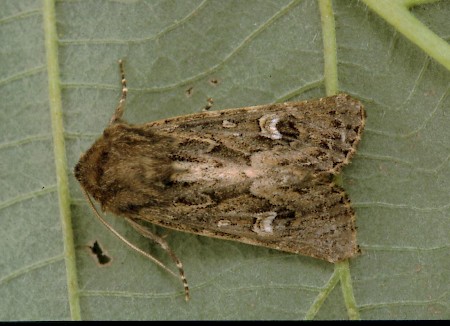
[
  {"x": 120, "y": 107},
  {"x": 164, "y": 245},
  {"x": 208, "y": 106}
]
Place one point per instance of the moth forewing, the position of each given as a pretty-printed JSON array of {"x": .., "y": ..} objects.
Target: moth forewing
[{"x": 260, "y": 175}]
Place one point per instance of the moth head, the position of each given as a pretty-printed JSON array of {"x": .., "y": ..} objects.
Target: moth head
[
  {"x": 128, "y": 167},
  {"x": 89, "y": 169}
]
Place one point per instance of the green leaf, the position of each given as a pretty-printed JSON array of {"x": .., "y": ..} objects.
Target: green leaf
[{"x": 59, "y": 90}]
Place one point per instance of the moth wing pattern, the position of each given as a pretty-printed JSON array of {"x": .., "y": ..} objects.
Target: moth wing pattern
[{"x": 259, "y": 175}]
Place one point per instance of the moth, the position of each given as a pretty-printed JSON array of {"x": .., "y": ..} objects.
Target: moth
[{"x": 261, "y": 175}]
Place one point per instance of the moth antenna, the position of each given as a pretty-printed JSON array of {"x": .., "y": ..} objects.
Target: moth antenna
[
  {"x": 164, "y": 245},
  {"x": 142, "y": 252},
  {"x": 120, "y": 107}
]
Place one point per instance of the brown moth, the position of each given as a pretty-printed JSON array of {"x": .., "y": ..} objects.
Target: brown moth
[{"x": 261, "y": 175}]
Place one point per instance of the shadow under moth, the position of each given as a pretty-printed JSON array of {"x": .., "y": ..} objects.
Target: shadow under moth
[{"x": 261, "y": 175}]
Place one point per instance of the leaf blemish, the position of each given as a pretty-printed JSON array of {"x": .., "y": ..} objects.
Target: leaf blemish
[{"x": 99, "y": 254}]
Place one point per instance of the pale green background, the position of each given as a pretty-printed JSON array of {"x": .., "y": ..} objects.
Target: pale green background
[{"x": 260, "y": 51}]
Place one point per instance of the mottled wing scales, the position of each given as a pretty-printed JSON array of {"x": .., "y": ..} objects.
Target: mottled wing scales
[
  {"x": 316, "y": 220},
  {"x": 264, "y": 176},
  {"x": 324, "y": 133}
]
